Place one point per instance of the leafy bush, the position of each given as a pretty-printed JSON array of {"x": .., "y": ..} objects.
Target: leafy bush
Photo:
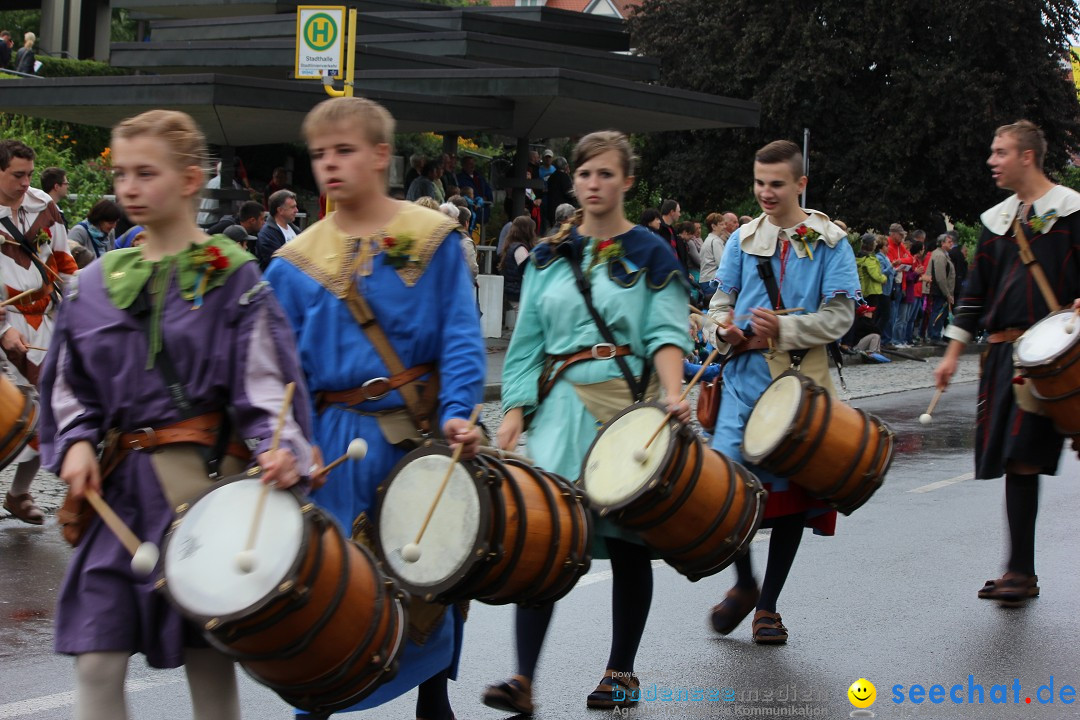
[
  {"x": 968, "y": 236},
  {"x": 68, "y": 67},
  {"x": 89, "y": 177}
]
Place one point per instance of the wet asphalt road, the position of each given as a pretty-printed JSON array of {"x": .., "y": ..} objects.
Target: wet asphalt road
[{"x": 890, "y": 598}]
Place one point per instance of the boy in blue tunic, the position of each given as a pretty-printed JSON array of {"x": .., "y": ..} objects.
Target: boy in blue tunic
[
  {"x": 404, "y": 264},
  {"x": 813, "y": 267}
]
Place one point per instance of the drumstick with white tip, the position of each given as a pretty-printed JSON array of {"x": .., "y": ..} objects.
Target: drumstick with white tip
[
  {"x": 927, "y": 417},
  {"x": 357, "y": 451},
  {"x": 245, "y": 559},
  {"x": 641, "y": 454},
  {"x": 144, "y": 555},
  {"x": 411, "y": 552},
  {"x": 1070, "y": 327},
  {"x": 16, "y": 298}
]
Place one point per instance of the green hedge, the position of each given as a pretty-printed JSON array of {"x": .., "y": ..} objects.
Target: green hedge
[{"x": 67, "y": 67}]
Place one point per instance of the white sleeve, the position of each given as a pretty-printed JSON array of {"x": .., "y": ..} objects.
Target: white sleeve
[{"x": 829, "y": 323}]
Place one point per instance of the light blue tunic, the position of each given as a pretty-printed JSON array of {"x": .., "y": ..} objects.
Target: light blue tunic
[
  {"x": 806, "y": 283},
  {"x": 435, "y": 321},
  {"x": 554, "y": 320}
]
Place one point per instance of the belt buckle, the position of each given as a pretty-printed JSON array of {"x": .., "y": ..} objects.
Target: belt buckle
[
  {"x": 151, "y": 439},
  {"x": 375, "y": 380},
  {"x": 610, "y": 347}
]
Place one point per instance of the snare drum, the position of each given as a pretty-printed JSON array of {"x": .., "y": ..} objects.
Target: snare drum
[
  {"x": 315, "y": 620},
  {"x": 692, "y": 505},
  {"x": 837, "y": 453},
  {"x": 18, "y": 419},
  {"x": 503, "y": 531},
  {"x": 1047, "y": 356}
]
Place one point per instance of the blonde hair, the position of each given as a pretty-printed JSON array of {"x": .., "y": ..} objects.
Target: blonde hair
[
  {"x": 373, "y": 120},
  {"x": 29, "y": 39},
  {"x": 1029, "y": 136},
  {"x": 178, "y": 130},
  {"x": 587, "y": 148},
  {"x": 429, "y": 202}
]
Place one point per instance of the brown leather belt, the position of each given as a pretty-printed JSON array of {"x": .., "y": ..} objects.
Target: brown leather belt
[
  {"x": 600, "y": 351},
  {"x": 1005, "y": 336},
  {"x": 201, "y": 430},
  {"x": 373, "y": 389},
  {"x": 754, "y": 342}
]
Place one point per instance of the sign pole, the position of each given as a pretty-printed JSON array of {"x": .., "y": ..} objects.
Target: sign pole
[{"x": 350, "y": 75}]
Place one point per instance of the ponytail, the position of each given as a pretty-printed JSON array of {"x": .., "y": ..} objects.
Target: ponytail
[{"x": 564, "y": 231}]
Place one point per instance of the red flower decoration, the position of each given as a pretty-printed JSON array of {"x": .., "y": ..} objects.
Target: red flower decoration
[
  {"x": 605, "y": 244},
  {"x": 389, "y": 242},
  {"x": 801, "y": 231},
  {"x": 47, "y": 231}
]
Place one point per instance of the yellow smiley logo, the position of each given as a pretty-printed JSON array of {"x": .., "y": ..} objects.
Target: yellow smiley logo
[{"x": 862, "y": 693}]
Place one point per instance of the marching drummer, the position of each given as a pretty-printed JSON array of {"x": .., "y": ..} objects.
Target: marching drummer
[
  {"x": 153, "y": 349},
  {"x": 1003, "y": 298},
  {"x": 569, "y": 375},
  {"x": 792, "y": 258},
  {"x": 383, "y": 308}
]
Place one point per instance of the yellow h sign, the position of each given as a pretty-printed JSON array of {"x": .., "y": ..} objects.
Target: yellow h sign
[{"x": 319, "y": 36}]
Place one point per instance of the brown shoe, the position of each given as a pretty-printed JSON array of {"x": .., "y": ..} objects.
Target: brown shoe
[
  {"x": 23, "y": 507},
  {"x": 731, "y": 611},
  {"x": 512, "y": 696},
  {"x": 990, "y": 590},
  {"x": 1014, "y": 590},
  {"x": 768, "y": 630},
  {"x": 615, "y": 691}
]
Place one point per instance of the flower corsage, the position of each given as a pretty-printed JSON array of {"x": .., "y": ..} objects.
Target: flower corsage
[
  {"x": 44, "y": 237},
  {"x": 399, "y": 250},
  {"x": 1039, "y": 223},
  {"x": 808, "y": 236},
  {"x": 608, "y": 250},
  {"x": 208, "y": 260}
]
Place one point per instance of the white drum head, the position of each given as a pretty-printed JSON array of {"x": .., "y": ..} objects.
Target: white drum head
[
  {"x": 200, "y": 560},
  {"x": 772, "y": 418},
  {"x": 612, "y": 476},
  {"x": 1046, "y": 339},
  {"x": 451, "y": 536}
]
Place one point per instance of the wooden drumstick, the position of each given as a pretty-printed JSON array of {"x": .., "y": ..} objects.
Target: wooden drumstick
[
  {"x": 641, "y": 454},
  {"x": 16, "y": 298},
  {"x": 505, "y": 454},
  {"x": 35, "y": 347},
  {"x": 144, "y": 555},
  {"x": 245, "y": 560},
  {"x": 411, "y": 552},
  {"x": 1070, "y": 327},
  {"x": 927, "y": 417},
  {"x": 357, "y": 451}
]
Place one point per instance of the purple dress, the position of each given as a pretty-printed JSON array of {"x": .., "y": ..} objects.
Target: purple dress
[{"x": 236, "y": 350}]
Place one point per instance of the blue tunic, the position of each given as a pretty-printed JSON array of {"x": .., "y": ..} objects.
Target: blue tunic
[
  {"x": 433, "y": 321},
  {"x": 803, "y": 282}
]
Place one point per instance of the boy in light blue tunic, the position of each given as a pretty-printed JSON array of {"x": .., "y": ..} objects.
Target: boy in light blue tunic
[{"x": 814, "y": 268}]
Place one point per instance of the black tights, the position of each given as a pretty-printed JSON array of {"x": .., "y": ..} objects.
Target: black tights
[
  {"x": 1021, "y": 507},
  {"x": 631, "y": 597},
  {"x": 787, "y": 533}
]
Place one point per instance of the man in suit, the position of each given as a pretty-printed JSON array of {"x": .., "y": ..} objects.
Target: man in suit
[{"x": 279, "y": 229}]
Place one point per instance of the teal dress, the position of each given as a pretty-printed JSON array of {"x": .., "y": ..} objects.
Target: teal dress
[{"x": 642, "y": 296}]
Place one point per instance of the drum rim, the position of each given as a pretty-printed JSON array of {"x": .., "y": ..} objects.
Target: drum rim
[
  {"x": 805, "y": 382},
  {"x": 26, "y": 424},
  {"x": 304, "y": 506},
  {"x": 604, "y": 509},
  {"x": 474, "y": 560},
  {"x": 1070, "y": 347}
]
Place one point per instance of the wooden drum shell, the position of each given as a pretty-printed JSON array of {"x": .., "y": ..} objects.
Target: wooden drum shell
[
  {"x": 1056, "y": 381},
  {"x": 18, "y": 419}
]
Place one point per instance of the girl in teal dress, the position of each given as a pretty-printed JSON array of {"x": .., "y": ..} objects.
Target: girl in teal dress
[{"x": 638, "y": 289}]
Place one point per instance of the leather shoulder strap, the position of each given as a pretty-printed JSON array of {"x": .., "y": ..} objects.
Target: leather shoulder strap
[{"x": 365, "y": 318}]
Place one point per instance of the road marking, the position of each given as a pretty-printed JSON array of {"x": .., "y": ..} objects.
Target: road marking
[
  {"x": 943, "y": 483},
  {"x": 602, "y": 575},
  {"x": 23, "y": 708}
]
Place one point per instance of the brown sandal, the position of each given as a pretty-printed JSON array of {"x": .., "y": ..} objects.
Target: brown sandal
[
  {"x": 731, "y": 611},
  {"x": 768, "y": 630},
  {"x": 614, "y": 691},
  {"x": 512, "y": 696},
  {"x": 1013, "y": 590},
  {"x": 991, "y": 589},
  {"x": 23, "y": 507}
]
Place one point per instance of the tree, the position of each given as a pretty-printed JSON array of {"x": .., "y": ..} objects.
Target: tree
[{"x": 901, "y": 97}]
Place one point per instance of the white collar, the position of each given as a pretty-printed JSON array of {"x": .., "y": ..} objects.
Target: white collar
[
  {"x": 758, "y": 237},
  {"x": 33, "y": 202},
  {"x": 1065, "y": 201}
]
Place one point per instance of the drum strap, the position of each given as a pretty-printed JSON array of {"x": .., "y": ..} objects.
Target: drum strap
[
  {"x": 420, "y": 408},
  {"x": 1033, "y": 266},
  {"x": 638, "y": 388},
  {"x": 765, "y": 272},
  {"x": 27, "y": 246}
]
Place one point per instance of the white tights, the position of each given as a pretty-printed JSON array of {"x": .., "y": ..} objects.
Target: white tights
[{"x": 100, "y": 685}]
